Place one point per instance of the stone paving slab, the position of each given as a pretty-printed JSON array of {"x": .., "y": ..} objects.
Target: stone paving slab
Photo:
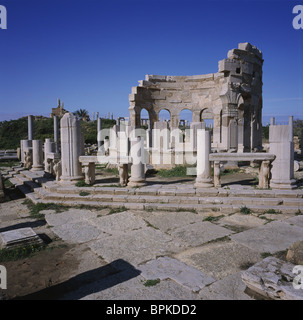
[
  {"x": 272, "y": 237},
  {"x": 67, "y": 217},
  {"x": 78, "y": 232},
  {"x": 16, "y": 237},
  {"x": 241, "y": 221},
  {"x": 168, "y": 268},
  {"x": 116, "y": 287},
  {"x": 118, "y": 223},
  {"x": 297, "y": 221},
  {"x": 198, "y": 233},
  {"x": 219, "y": 259},
  {"x": 135, "y": 247},
  {"x": 169, "y": 220},
  {"x": 229, "y": 288}
]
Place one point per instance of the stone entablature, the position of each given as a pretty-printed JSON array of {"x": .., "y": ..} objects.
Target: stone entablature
[{"x": 232, "y": 97}]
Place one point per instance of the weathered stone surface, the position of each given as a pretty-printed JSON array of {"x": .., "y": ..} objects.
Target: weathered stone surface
[
  {"x": 120, "y": 287},
  {"x": 198, "y": 233},
  {"x": 67, "y": 217},
  {"x": 272, "y": 237},
  {"x": 166, "y": 220},
  {"x": 17, "y": 237},
  {"x": 119, "y": 223},
  {"x": 240, "y": 221},
  {"x": 272, "y": 278},
  {"x": 78, "y": 232},
  {"x": 229, "y": 288},
  {"x": 135, "y": 247},
  {"x": 295, "y": 253},
  {"x": 219, "y": 259},
  {"x": 297, "y": 221},
  {"x": 168, "y": 268}
]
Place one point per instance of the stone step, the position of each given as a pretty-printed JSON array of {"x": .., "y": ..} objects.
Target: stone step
[
  {"x": 15, "y": 181},
  {"x": 32, "y": 185},
  {"x": 177, "y": 192},
  {"x": 19, "y": 178},
  {"x": 225, "y": 209},
  {"x": 259, "y": 203}
]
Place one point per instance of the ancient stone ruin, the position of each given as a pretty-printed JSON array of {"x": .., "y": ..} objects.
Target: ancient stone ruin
[
  {"x": 232, "y": 97},
  {"x": 60, "y": 170}
]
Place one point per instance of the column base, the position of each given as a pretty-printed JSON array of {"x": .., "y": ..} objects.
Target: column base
[
  {"x": 38, "y": 168},
  {"x": 286, "y": 185},
  {"x": 203, "y": 183},
  {"x": 136, "y": 183},
  {"x": 70, "y": 180}
]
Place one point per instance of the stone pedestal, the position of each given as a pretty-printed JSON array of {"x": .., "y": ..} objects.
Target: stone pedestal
[
  {"x": 137, "y": 178},
  {"x": 123, "y": 174},
  {"x": 49, "y": 147},
  {"x": 27, "y": 154},
  {"x": 203, "y": 179},
  {"x": 24, "y": 144},
  {"x": 89, "y": 171},
  {"x": 70, "y": 148},
  {"x": 37, "y": 156},
  {"x": 281, "y": 144}
]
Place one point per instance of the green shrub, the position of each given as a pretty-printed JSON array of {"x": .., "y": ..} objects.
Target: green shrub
[{"x": 245, "y": 210}]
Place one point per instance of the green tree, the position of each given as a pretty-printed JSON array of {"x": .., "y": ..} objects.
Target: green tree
[
  {"x": 82, "y": 114},
  {"x": 298, "y": 127}
]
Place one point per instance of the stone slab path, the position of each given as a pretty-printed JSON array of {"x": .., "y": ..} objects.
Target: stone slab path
[
  {"x": 155, "y": 255},
  {"x": 191, "y": 257}
]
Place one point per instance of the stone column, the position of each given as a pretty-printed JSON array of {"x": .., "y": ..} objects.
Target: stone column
[
  {"x": 137, "y": 178},
  {"x": 25, "y": 145},
  {"x": 70, "y": 148},
  {"x": 30, "y": 127},
  {"x": 217, "y": 179},
  {"x": 89, "y": 171},
  {"x": 195, "y": 127},
  {"x": 56, "y": 134},
  {"x": 240, "y": 135},
  {"x": 99, "y": 128},
  {"x": 281, "y": 144},
  {"x": 37, "y": 156},
  {"x": 49, "y": 147},
  {"x": 203, "y": 179}
]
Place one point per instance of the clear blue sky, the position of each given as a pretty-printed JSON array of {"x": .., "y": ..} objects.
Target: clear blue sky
[{"x": 89, "y": 53}]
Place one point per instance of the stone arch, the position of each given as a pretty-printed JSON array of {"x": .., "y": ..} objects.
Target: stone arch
[
  {"x": 185, "y": 118},
  {"x": 164, "y": 115},
  {"x": 207, "y": 116},
  {"x": 144, "y": 118}
]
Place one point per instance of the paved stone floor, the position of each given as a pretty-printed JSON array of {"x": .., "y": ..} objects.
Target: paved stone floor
[{"x": 190, "y": 255}]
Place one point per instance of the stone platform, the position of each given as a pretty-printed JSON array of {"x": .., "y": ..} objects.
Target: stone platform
[{"x": 157, "y": 195}]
